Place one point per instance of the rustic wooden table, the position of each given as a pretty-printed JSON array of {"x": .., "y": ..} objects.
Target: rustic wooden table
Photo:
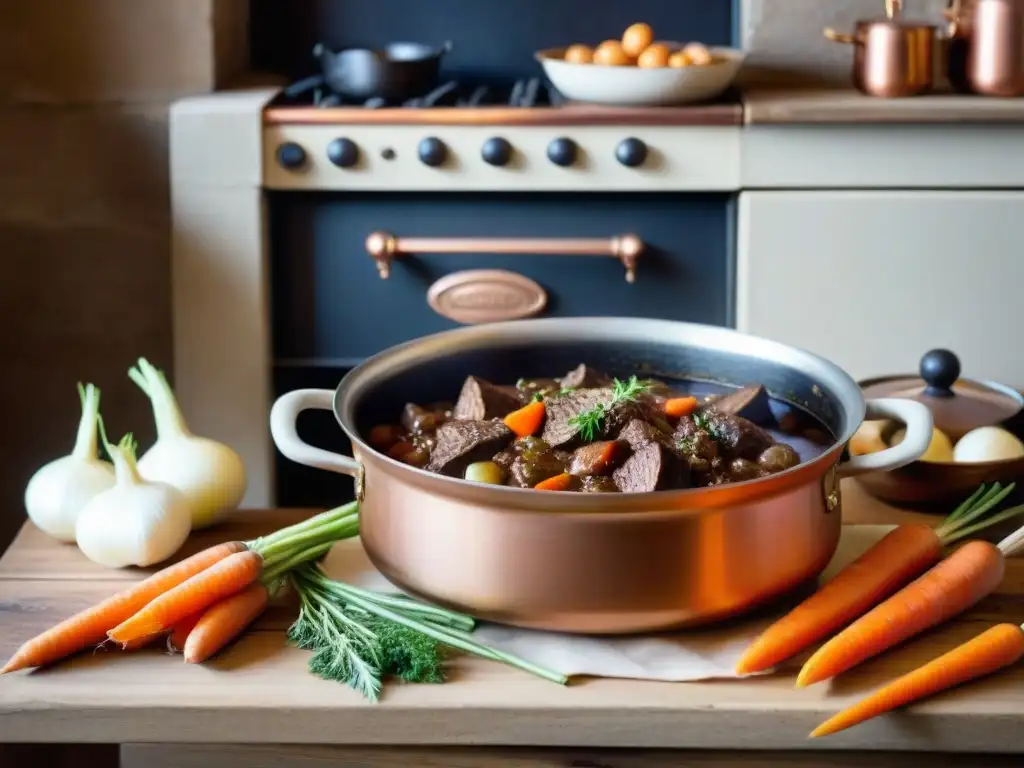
[{"x": 257, "y": 705}]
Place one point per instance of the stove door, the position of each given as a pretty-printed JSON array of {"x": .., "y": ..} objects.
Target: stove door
[{"x": 554, "y": 255}]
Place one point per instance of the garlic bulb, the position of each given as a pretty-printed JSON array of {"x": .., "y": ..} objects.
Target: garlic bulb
[
  {"x": 58, "y": 490},
  {"x": 135, "y": 522},
  {"x": 210, "y": 474}
]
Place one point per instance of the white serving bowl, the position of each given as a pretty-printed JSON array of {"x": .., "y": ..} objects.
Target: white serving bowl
[{"x": 636, "y": 86}]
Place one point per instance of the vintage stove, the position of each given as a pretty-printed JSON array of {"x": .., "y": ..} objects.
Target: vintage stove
[{"x": 310, "y": 233}]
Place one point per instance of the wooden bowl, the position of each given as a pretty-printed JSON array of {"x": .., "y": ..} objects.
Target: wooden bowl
[{"x": 940, "y": 486}]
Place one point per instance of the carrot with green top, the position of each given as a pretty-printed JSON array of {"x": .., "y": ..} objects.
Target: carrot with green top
[
  {"x": 197, "y": 593},
  {"x": 970, "y": 573},
  {"x": 677, "y": 407},
  {"x": 527, "y": 420},
  {"x": 995, "y": 648},
  {"x": 90, "y": 627},
  {"x": 224, "y": 621},
  {"x": 898, "y": 557}
]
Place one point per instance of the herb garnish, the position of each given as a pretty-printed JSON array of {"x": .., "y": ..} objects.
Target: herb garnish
[
  {"x": 704, "y": 423},
  {"x": 590, "y": 423}
]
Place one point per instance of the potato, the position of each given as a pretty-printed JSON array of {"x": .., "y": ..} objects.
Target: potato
[
  {"x": 653, "y": 56},
  {"x": 636, "y": 38},
  {"x": 868, "y": 438},
  {"x": 610, "y": 53},
  {"x": 939, "y": 449},
  {"x": 579, "y": 54},
  {"x": 698, "y": 54},
  {"x": 680, "y": 59},
  {"x": 987, "y": 444},
  {"x": 485, "y": 472}
]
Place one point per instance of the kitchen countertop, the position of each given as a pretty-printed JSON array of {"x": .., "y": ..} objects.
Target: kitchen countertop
[
  {"x": 780, "y": 106},
  {"x": 259, "y": 692}
]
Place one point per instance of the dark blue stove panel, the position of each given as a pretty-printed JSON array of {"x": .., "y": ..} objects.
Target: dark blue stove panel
[
  {"x": 329, "y": 304},
  {"x": 493, "y": 39}
]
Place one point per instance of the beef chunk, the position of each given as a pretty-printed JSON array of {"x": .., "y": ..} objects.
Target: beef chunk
[
  {"x": 582, "y": 377},
  {"x": 656, "y": 463},
  {"x": 598, "y": 458},
  {"x": 480, "y": 400},
  {"x": 652, "y": 467},
  {"x": 460, "y": 443},
  {"x": 750, "y": 402},
  {"x": 561, "y": 410},
  {"x": 736, "y": 437}
]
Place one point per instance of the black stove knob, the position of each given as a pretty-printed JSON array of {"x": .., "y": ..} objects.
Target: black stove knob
[
  {"x": 291, "y": 156},
  {"x": 496, "y": 151},
  {"x": 562, "y": 151},
  {"x": 343, "y": 153},
  {"x": 631, "y": 152},
  {"x": 432, "y": 151}
]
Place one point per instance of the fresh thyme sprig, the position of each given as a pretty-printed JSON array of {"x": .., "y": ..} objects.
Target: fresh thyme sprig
[{"x": 590, "y": 423}]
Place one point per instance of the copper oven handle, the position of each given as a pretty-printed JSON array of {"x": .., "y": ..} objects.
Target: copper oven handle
[{"x": 385, "y": 247}]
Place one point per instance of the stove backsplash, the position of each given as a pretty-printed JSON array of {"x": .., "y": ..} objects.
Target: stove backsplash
[{"x": 492, "y": 40}]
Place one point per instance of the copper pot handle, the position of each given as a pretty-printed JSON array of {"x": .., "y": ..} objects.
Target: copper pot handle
[
  {"x": 385, "y": 247},
  {"x": 283, "y": 418},
  {"x": 839, "y": 37},
  {"x": 919, "y": 421}
]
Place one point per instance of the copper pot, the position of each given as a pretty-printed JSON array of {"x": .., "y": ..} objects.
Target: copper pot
[
  {"x": 595, "y": 562},
  {"x": 995, "y": 51},
  {"x": 891, "y": 57}
]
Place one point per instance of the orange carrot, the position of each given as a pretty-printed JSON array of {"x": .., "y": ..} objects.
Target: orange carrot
[
  {"x": 951, "y": 587},
  {"x": 224, "y": 621},
  {"x": 90, "y": 627},
  {"x": 141, "y": 642},
  {"x": 993, "y": 649},
  {"x": 527, "y": 420},
  {"x": 197, "y": 593},
  {"x": 560, "y": 482},
  {"x": 677, "y": 407},
  {"x": 180, "y": 631},
  {"x": 898, "y": 557}
]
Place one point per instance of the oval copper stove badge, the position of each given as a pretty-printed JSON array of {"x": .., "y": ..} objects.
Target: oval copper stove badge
[{"x": 486, "y": 296}]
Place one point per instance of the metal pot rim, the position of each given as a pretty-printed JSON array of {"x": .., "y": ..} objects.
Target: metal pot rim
[{"x": 494, "y": 335}]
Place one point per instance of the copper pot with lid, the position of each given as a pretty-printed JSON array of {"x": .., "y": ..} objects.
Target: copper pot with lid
[
  {"x": 960, "y": 407},
  {"x": 892, "y": 57}
]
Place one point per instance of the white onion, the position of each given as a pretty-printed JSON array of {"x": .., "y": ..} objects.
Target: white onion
[{"x": 57, "y": 492}]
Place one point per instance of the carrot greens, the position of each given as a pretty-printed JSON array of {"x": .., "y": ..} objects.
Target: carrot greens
[{"x": 359, "y": 637}]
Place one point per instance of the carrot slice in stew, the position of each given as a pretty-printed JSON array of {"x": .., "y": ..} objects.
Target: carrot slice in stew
[
  {"x": 560, "y": 482},
  {"x": 527, "y": 420},
  {"x": 678, "y": 407}
]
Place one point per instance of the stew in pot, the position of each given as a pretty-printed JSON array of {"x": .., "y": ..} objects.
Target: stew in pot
[{"x": 591, "y": 433}]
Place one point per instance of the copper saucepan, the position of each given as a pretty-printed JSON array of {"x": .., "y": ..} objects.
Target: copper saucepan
[
  {"x": 601, "y": 563},
  {"x": 892, "y": 57}
]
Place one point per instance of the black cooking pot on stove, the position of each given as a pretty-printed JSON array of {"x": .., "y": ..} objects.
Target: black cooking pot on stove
[{"x": 396, "y": 72}]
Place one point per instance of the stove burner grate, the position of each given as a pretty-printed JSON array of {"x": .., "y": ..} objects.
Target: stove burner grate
[{"x": 525, "y": 93}]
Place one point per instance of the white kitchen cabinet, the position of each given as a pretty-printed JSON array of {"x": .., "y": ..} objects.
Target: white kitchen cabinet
[{"x": 873, "y": 279}]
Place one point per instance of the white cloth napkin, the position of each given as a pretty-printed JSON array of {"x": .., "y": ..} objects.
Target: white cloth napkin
[{"x": 701, "y": 654}]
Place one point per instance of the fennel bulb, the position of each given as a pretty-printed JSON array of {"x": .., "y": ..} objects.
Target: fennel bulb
[
  {"x": 210, "y": 474},
  {"x": 59, "y": 489},
  {"x": 135, "y": 522}
]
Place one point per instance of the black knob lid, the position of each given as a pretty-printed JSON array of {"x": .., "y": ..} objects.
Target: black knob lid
[
  {"x": 562, "y": 151},
  {"x": 496, "y": 151},
  {"x": 631, "y": 152},
  {"x": 940, "y": 368},
  {"x": 291, "y": 156},
  {"x": 343, "y": 153},
  {"x": 432, "y": 151}
]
